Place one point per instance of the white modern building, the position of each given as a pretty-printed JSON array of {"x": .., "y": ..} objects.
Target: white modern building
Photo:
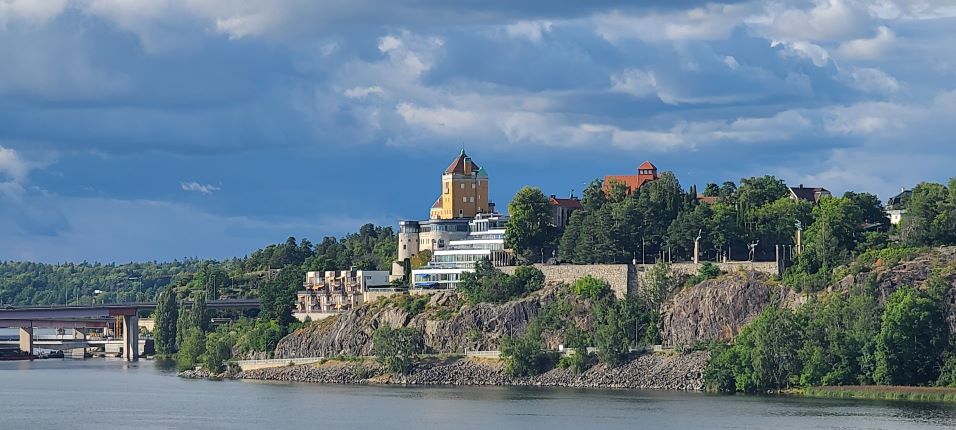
[{"x": 485, "y": 239}]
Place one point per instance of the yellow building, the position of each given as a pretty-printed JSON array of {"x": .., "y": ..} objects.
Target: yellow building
[{"x": 464, "y": 190}]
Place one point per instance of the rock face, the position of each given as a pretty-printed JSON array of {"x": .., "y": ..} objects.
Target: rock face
[
  {"x": 717, "y": 309},
  {"x": 914, "y": 273},
  {"x": 649, "y": 371},
  {"x": 447, "y": 326}
]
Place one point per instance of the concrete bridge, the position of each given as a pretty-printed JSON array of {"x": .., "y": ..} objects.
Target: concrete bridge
[{"x": 26, "y": 319}]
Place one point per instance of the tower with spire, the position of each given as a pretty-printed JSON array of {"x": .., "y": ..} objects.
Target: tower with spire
[{"x": 464, "y": 190}]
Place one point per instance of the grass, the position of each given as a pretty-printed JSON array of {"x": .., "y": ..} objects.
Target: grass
[{"x": 883, "y": 392}]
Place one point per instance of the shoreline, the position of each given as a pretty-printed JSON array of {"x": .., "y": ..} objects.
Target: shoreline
[
  {"x": 676, "y": 372},
  {"x": 880, "y": 392}
]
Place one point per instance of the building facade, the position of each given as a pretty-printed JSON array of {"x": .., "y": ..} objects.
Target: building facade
[
  {"x": 896, "y": 206},
  {"x": 561, "y": 209},
  {"x": 485, "y": 239},
  {"x": 464, "y": 191},
  {"x": 646, "y": 172},
  {"x": 330, "y": 292}
]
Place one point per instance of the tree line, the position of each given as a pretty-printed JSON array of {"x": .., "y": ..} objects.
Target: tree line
[{"x": 662, "y": 220}]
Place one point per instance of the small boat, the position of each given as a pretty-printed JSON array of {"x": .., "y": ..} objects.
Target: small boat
[
  {"x": 15, "y": 354},
  {"x": 51, "y": 354}
]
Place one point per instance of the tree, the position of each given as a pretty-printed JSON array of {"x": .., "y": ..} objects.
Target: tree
[
  {"x": 711, "y": 190},
  {"x": 277, "y": 296},
  {"x": 931, "y": 214},
  {"x": 166, "y": 316},
  {"x": 529, "y": 230},
  {"x": 397, "y": 348},
  {"x": 218, "y": 349},
  {"x": 525, "y": 355},
  {"x": 610, "y": 333},
  {"x": 912, "y": 339},
  {"x": 190, "y": 350},
  {"x": 758, "y": 191}
]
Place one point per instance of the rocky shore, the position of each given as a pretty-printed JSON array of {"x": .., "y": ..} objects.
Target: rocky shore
[{"x": 648, "y": 371}]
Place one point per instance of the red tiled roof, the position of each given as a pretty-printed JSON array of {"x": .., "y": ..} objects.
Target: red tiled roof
[
  {"x": 709, "y": 200},
  {"x": 572, "y": 203},
  {"x": 633, "y": 182},
  {"x": 437, "y": 204},
  {"x": 647, "y": 165}
]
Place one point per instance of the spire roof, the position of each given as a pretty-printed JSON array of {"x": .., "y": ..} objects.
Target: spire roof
[{"x": 458, "y": 165}]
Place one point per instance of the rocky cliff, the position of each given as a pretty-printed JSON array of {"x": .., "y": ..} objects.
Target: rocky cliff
[
  {"x": 717, "y": 309},
  {"x": 447, "y": 325},
  {"x": 886, "y": 278}
]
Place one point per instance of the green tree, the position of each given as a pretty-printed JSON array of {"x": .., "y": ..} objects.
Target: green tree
[
  {"x": 759, "y": 191},
  {"x": 397, "y": 348},
  {"x": 191, "y": 349},
  {"x": 529, "y": 230},
  {"x": 912, "y": 339},
  {"x": 218, "y": 350},
  {"x": 277, "y": 296},
  {"x": 711, "y": 190},
  {"x": 525, "y": 355},
  {"x": 166, "y": 316}
]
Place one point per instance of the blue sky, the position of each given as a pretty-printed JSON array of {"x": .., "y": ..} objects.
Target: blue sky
[{"x": 161, "y": 129}]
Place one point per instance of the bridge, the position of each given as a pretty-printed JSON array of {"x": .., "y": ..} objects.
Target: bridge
[{"x": 94, "y": 316}]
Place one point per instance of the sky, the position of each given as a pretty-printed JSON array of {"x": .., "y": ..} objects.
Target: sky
[{"x": 141, "y": 130}]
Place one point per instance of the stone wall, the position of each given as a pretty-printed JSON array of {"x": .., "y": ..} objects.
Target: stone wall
[
  {"x": 621, "y": 277},
  {"x": 629, "y": 278}
]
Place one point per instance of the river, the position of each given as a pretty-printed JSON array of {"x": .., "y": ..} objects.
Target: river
[{"x": 98, "y": 393}]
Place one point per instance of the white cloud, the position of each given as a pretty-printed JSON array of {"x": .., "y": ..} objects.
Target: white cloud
[
  {"x": 441, "y": 120},
  {"x": 12, "y": 166},
  {"x": 33, "y": 12},
  {"x": 362, "y": 92},
  {"x": 711, "y": 22},
  {"x": 638, "y": 83},
  {"x": 731, "y": 62},
  {"x": 531, "y": 30},
  {"x": 199, "y": 188},
  {"x": 815, "y": 53},
  {"x": 868, "y": 48},
  {"x": 872, "y": 80},
  {"x": 826, "y": 20}
]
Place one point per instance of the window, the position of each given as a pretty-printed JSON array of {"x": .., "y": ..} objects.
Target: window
[
  {"x": 463, "y": 186},
  {"x": 472, "y": 199},
  {"x": 472, "y": 186},
  {"x": 464, "y": 199}
]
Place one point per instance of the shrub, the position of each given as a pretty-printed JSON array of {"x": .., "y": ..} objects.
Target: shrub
[
  {"x": 590, "y": 287},
  {"x": 525, "y": 355},
  {"x": 487, "y": 284},
  {"x": 397, "y": 348}
]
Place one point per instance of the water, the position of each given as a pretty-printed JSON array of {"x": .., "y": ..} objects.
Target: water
[{"x": 97, "y": 394}]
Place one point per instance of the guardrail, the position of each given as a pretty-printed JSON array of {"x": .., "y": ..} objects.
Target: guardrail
[{"x": 483, "y": 354}]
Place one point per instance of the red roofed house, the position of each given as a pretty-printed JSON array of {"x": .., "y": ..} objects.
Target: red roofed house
[
  {"x": 646, "y": 172},
  {"x": 562, "y": 209}
]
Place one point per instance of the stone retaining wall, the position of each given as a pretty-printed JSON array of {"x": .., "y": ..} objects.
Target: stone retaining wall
[
  {"x": 621, "y": 277},
  {"x": 629, "y": 278}
]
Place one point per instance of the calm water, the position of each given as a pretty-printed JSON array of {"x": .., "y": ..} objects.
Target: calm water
[{"x": 97, "y": 394}]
